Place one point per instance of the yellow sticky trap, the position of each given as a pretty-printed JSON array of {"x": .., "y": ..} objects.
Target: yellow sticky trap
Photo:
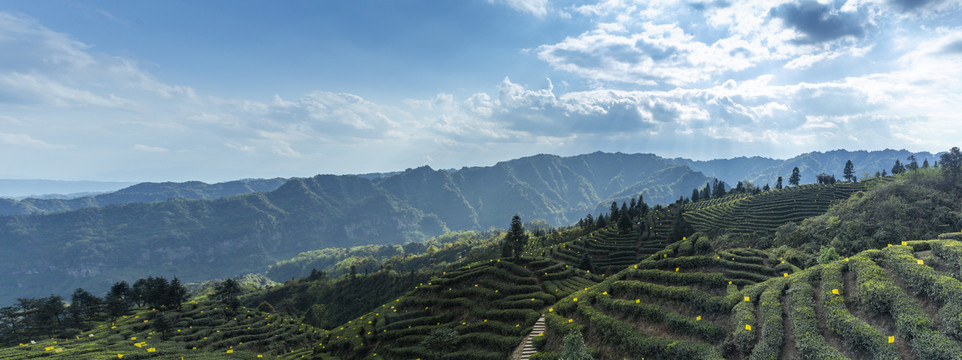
[
  {"x": 698, "y": 318},
  {"x": 784, "y": 274},
  {"x": 120, "y": 356},
  {"x": 905, "y": 243},
  {"x": 575, "y": 299},
  {"x": 890, "y": 245},
  {"x": 48, "y": 348},
  {"x": 846, "y": 259},
  {"x": 748, "y": 327},
  {"x": 747, "y": 299},
  {"x": 571, "y": 320},
  {"x": 550, "y": 309},
  {"x": 729, "y": 283},
  {"x": 835, "y": 291},
  {"x": 637, "y": 301},
  {"x": 636, "y": 266},
  {"x": 230, "y": 351},
  {"x": 921, "y": 262},
  {"x": 891, "y": 339},
  {"x": 151, "y": 350}
]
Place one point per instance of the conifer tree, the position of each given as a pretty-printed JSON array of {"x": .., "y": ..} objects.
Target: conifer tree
[
  {"x": 778, "y": 185},
  {"x": 694, "y": 195},
  {"x": 795, "y": 178},
  {"x": 516, "y": 237},
  {"x": 849, "y": 170}
]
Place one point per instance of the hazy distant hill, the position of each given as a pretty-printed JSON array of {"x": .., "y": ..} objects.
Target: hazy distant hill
[
  {"x": 200, "y": 239},
  {"x": 142, "y": 192},
  {"x": 14, "y": 188},
  {"x": 761, "y": 171}
]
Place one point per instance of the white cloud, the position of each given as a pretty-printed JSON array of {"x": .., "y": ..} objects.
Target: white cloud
[
  {"x": 150, "y": 149},
  {"x": 40, "y": 66},
  {"x": 534, "y": 7},
  {"x": 24, "y": 140}
]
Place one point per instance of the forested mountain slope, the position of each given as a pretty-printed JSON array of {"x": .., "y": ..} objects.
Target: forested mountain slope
[{"x": 201, "y": 239}]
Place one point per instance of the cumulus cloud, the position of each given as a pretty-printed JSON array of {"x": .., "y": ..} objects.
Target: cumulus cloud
[{"x": 819, "y": 22}]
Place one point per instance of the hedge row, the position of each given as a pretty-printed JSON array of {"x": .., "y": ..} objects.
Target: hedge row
[
  {"x": 808, "y": 337},
  {"x": 624, "y": 337},
  {"x": 773, "y": 332},
  {"x": 655, "y": 314},
  {"x": 855, "y": 333},
  {"x": 880, "y": 293}
]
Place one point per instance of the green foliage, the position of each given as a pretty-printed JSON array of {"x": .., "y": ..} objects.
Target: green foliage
[
  {"x": 440, "y": 341},
  {"x": 917, "y": 205},
  {"x": 827, "y": 254},
  {"x": 573, "y": 348}
]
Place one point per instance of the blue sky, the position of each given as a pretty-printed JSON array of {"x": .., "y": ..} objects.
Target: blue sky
[{"x": 220, "y": 90}]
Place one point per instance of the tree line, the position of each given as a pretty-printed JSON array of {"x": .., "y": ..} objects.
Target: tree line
[{"x": 51, "y": 316}]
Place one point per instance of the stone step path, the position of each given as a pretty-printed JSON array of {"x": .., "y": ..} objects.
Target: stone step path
[{"x": 536, "y": 331}]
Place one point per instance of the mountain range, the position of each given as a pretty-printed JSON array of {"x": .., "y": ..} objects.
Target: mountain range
[{"x": 198, "y": 231}]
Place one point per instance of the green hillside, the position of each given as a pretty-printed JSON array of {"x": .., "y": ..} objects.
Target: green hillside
[
  {"x": 765, "y": 212},
  {"x": 490, "y": 305},
  {"x": 198, "y": 331},
  {"x": 902, "y": 301}
]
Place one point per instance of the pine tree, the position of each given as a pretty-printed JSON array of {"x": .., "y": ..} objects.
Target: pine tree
[
  {"x": 925, "y": 164},
  {"x": 778, "y": 185},
  {"x": 795, "y": 178},
  {"x": 516, "y": 237},
  {"x": 694, "y": 195},
  {"x": 849, "y": 170},
  {"x": 614, "y": 210},
  {"x": 898, "y": 168}
]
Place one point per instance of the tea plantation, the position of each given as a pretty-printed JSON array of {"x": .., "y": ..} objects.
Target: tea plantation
[{"x": 197, "y": 331}]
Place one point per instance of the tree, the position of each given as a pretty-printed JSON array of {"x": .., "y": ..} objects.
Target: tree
[
  {"x": 778, "y": 185},
  {"x": 951, "y": 163},
  {"x": 517, "y": 238},
  {"x": 176, "y": 294},
  {"x": 694, "y": 195},
  {"x": 624, "y": 223},
  {"x": 766, "y": 188},
  {"x": 441, "y": 341},
  {"x": 84, "y": 305},
  {"x": 227, "y": 292},
  {"x": 913, "y": 164},
  {"x": 162, "y": 324},
  {"x": 718, "y": 188},
  {"x": 573, "y": 347},
  {"x": 849, "y": 170},
  {"x": 705, "y": 192},
  {"x": 680, "y": 228},
  {"x": 898, "y": 168},
  {"x": 614, "y": 210},
  {"x": 925, "y": 164},
  {"x": 793, "y": 180}
]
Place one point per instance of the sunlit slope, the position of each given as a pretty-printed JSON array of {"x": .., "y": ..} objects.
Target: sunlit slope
[
  {"x": 198, "y": 331},
  {"x": 491, "y": 305},
  {"x": 903, "y": 301},
  {"x": 675, "y": 304},
  {"x": 765, "y": 212}
]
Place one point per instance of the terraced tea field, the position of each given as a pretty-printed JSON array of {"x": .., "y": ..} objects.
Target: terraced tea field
[
  {"x": 675, "y": 304},
  {"x": 903, "y": 301},
  {"x": 198, "y": 331},
  {"x": 765, "y": 212},
  {"x": 491, "y": 305}
]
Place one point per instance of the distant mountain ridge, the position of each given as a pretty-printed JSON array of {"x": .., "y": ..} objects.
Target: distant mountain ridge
[
  {"x": 209, "y": 238},
  {"x": 202, "y": 239},
  {"x": 762, "y": 170},
  {"x": 140, "y": 193}
]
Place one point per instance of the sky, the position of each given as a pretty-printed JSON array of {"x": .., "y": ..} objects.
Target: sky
[{"x": 220, "y": 90}]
